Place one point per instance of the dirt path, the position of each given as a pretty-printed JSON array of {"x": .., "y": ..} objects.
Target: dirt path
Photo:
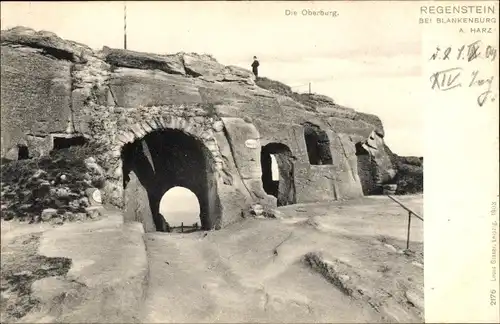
[
  {"x": 255, "y": 271},
  {"x": 191, "y": 282},
  {"x": 330, "y": 262}
]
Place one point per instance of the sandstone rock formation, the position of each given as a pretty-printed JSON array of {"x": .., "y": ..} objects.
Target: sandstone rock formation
[
  {"x": 146, "y": 112},
  {"x": 409, "y": 172}
]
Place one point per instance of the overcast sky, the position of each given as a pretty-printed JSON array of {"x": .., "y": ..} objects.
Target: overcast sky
[{"x": 367, "y": 61}]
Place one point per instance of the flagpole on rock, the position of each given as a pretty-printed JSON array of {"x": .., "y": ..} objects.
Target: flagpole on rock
[{"x": 124, "y": 24}]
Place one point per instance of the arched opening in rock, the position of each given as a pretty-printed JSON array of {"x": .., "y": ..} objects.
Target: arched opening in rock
[
  {"x": 364, "y": 169},
  {"x": 160, "y": 161},
  {"x": 278, "y": 181},
  {"x": 22, "y": 152},
  {"x": 181, "y": 210},
  {"x": 318, "y": 145}
]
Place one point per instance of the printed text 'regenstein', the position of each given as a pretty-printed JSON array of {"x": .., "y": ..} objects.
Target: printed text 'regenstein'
[{"x": 457, "y": 9}]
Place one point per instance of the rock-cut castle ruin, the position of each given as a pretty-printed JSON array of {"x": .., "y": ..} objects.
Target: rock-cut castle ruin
[{"x": 161, "y": 121}]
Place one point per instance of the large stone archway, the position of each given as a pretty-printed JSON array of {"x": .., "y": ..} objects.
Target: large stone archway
[
  {"x": 284, "y": 188},
  {"x": 120, "y": 128},
  {"x": 159, "y": 161}
]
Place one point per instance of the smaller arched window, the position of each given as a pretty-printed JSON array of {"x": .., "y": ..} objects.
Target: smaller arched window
[{"x": 277, "y": 165}]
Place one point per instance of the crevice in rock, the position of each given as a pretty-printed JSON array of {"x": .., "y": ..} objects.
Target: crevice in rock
[
  {"x": 302, "y": 305},
  {"x": 37, "y": 136},
  {"x": 345, "y": 154},
  {"x": 63, "y": 134},
  {"x": 188, "y": 70},
  {"x": 194, "y": 74},
  {"x": 227, "y": 176},
  {"x": 275, "y": 250},
  {"x": 56, "y": 53},
  {"x": 266, "y": 301},
  {"x": 140, "y": 64},
  {"x": 71, "y": 108},
  {"x": 336, "y": 191},
  {"x": 147, "y": 153},
  {"x": 250, "y": 192},
  {"x": 328, "y": 272},
  {"x": 49, "y": 52},
  {"x": 224, "y": 80},
  {"x": 113, "y": 96}
]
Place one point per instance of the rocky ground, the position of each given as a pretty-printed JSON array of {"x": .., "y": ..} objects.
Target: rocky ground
[
  {"x": 334, "y": 262},
  {"x": 342, "y": 262},
  {"x": 21, "y": 267},
  {"x": 80, "y": 272},
  {"x": 57, "y": 188}
]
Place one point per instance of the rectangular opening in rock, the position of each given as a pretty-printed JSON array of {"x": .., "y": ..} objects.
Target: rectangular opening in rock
[
  {"x": 364, "y": 169},
  {"x": 278, "y": 177},
  {"x": 60, "y": 143},
  {"x": 22, "y": 152},
  {"x": 318, "y": 145}
]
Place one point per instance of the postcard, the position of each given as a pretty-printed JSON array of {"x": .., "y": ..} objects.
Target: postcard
[{"x": 249, "y": 162}]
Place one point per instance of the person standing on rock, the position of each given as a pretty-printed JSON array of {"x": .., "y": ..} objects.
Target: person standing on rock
[{"x": 255, "y": 67}]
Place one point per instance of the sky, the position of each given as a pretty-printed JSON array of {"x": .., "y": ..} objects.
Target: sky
[{"x": 366, "y": 61}]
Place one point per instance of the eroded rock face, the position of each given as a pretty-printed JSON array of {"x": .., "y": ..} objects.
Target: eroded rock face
[
  {"x": 35, "y": 96},
  {"x": 138, "y": 209},
  {"x": 132, "y": 88},
  {"x": 117, "y": 97},
  {"x": 123, "y": 58},
  {"x": 47, "y": 42},
  {"x": 375, "y": 167}
]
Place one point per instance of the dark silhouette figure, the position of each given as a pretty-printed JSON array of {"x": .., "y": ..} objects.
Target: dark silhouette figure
[{"x": 255, "y": 67}]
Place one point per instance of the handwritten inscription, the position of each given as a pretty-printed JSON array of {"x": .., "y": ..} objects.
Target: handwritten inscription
[
  {"x": 457, "y": 77},
  {"x": 469, "y": 52},
  {"x": 446, "y": 79},
  {"x": 478, "y": 81},
  {"x": 452, "y": 78}
]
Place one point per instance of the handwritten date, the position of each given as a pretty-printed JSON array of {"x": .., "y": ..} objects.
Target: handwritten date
[
  {"x": 452, "y": 78},
  {"x": 470, "y": 52}
]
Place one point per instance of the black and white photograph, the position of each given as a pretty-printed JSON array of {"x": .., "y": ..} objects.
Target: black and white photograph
[{"x": 234, "y": 162}]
